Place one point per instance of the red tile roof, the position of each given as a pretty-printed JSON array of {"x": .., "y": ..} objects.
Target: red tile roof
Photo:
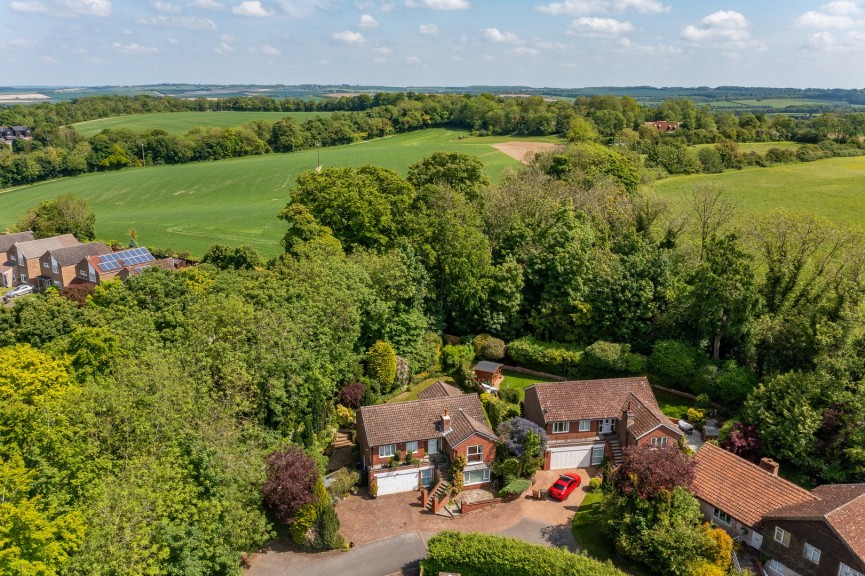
[
  {"x": 647, "y": 416},
  {"x": 742, "y": 489},
  {"x": 439, "y": 389},
  {"x": 588, "y": 399}
]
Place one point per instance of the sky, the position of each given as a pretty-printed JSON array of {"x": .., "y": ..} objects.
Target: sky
[{"x": 560, "y": 43}]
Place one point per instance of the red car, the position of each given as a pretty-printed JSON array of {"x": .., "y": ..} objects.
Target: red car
[{"x": 563, "y": 487}]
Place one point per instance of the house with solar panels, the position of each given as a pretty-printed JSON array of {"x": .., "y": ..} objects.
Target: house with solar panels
[
  {"x": 58, "y": 266},
  {"x": 101, "y": 268}
]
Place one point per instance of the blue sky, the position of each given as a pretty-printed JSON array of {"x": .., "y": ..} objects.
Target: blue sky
[{"x": 563, "y": 43}]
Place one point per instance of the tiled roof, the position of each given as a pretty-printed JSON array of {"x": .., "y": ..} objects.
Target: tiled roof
[
  {"x": 487, "y": 366},
  {"x": 647, "y": 416},
  {"x": 742, "y": 489},
  {"x": 7, "y": 240},
  {"x": 421, "y": 420},
  {"x": 842, "y": 506},
  {"x": 439, "y": 389},
  {"x": 36, "y": 248},
  {"x": 588, "y": 399},
  {"x": 137, "y": 269},
  {"x": 71, "y": 255}
]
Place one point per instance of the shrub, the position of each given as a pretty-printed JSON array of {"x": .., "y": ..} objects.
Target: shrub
[
  {"x": 395, "y": 460},
  {"x": 524, "y": 440},
  {"x": 732, "y": 385},
  {"x": 740, "y": 439},
  {"x": 373, "y": 488},
  {"x": 508, "y": 469},
  {"x": 604, "y": 359},
  {"x": 456, "y": 356},
  {"x": 403, "y": 373},
  {"x": 509, "y": 395},
  {"x": 496, "y": 410},
  {"x": 515, "y": 487},
  {"x": 425, "y": 355},
  {"x": 648, "y": 471},
  {"x": 381, "y": 365},
  {"x": 343, "y": 482},
  {"x": 351, "y": 395},
  {"x": 695, "y": 415},
  {"x": 703, "y": 401},
  {"x": 780, "y": 155},
  {"x": 555, "y": 357},
  {"x": 328, "y": 537},
  {"x": 490, "y": 555},
  {"x": 344, "y": 416},
  {"x": 290, "y": 484},
  {"x": 488, "y": 348},
  {"x": 635, "y": 363},
  {"x": 595, "y": 484},
  {"x": 411, "y": 459},
  {"x": 676, "y": 364},
  {"x": 301, "y": 529}
]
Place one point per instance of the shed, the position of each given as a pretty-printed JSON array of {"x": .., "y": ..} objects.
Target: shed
[{"x": 489, "y": 373}]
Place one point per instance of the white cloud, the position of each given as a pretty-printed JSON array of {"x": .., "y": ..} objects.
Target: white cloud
[
  {"x": 727, "y": 28},
  {"x": 64, "y": 8},
  {"x": 496, "y": 35},
  {"x": 826, "y": 41},
  {"x": 269, "y": 50},
  {"x": 349, "y": 37},
  {"x": 524, "y": 51},
  {"x": 439, "y": 4},
  {"x": 412, "y": 60},
  {"x": 302, "y": 8},
  {"x": 824, "y": 20},
  {"x": 167, "y": 7},
  {"x": 367, "y": 21},
  {"x": 225, "y": 48},
  {"x": 428, "y": 30},
  {"x": 184, "y": 22},
  {"x": 593, "y": 26},
  {"x": 626, "y": 45},
  {"x": 33, "y": 7},
  {"x": 842, "y": 8},
  {"x": 134, "y": 48},
  {"x": 386, "y": 7},
  {"x": 583, "y": 7},
  {"x": 22, "y": 43},
  {"x": 253, "y": 8},
  {"x": 99, "y": 8},
  {"x": 207, "y": 5}
]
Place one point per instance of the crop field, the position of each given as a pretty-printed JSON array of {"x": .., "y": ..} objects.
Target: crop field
[
  {"x": 191, "y": 206},
  {"x": 834, "y": 188},
  {"x": 182, "y": 122}
]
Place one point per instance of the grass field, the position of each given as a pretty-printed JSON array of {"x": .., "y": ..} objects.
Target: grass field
[
  {"x": 517, "y": 381},
  {"x": 834, "y": 188},
  {"x": 181, "y": 122},
  {"x": 191, "y": 206},
  {"x": 759, "y": 147}
]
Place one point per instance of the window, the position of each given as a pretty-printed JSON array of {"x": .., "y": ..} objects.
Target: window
[
  {"x": 721, "y": 516},
  {"x": 812, "y": 554},
  {"x": 585, "y": 425},
  {"x": 782, "y": 536},
  {"x": 777, "y": 566},
  {"x": 476, "y": 476},
  {"x": 410, "y": 447},
  {"x": 662, "y": 441},
  {"x": 426, "y": 476},
  {"x": 560, "y": 427},
  {"x": 45, "y": 264},
  {"x": 82, "y": 273},
  {"x": 13, "y": 258},
  {"x": 845, "y": 570},
  {"x": 597, "y": 455},
  {"x": 475, "y": 454},
  {"x": 54, "y": 266},
  {"x": 24, "y": 277},
  {"x": 386, "y": 451}
]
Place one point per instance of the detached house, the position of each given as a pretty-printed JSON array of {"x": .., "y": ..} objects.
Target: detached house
[
  {"x": 58, "y": 265},
  {"x": 101, "y": 268},
  {"x": 586, "y": 420},
  {"x": 801, "y": 533},
  {"x": 23, "y": 258},
  {"x": 7, "y": 267},
  {"x": 434, "y": 429}
]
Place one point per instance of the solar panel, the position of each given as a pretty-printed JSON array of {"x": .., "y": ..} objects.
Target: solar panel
[{"x": 117, "y": 260}]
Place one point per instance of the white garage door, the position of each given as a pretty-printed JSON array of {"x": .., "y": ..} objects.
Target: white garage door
[
  {"x": 573, "y": 457},
  {"x": 397, "y": 481}
]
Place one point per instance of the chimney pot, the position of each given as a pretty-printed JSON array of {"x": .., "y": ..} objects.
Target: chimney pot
[{"x": 770, "y": 466}]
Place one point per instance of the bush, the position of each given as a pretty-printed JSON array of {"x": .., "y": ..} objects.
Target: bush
[
  {"x": 351, "y": 395},
  {"x": 509, "y": 395},
  {"x": 344, "y": 416},
  {"x": 343, "y": 482},
  {"x": 554, "y": 357},
  {"x": 732, "y": 385},
  {"x": 526, "y": 441},
  {"x": 780, "y": 155},
  {"x": 403, "y": 373},
  {"x": 595, "y": 484},
  {"x": 425, "y": 355},
  {"x": 604, "y": 359},
  {"x": 488, "y": 348},
  {"x": 328, "y": 537},
  {"x": 515, "y": 487},
  {"x": 395, "y": 460},
  {"x": 676, "y": 364},
  {"x": 373, "y": 488},
  {"x": 703, "y": 401},
  {"x": 490, "y": 555},
  {"x": 636, "y": 363},
  {"x": 695, "y": 415},
  {"x": 381, "y": 365},
  {"x": 498, "y": 411},
  {"x": 290, "y": 484}
]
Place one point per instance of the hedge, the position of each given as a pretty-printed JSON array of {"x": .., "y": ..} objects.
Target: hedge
[
  {"x": 490, "y": 555},
  {"x": 515, "y": 487},
  {"x": 554, "y": 357}
]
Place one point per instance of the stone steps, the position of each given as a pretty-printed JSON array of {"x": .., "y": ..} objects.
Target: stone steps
[{"x": 616, "y": 451}]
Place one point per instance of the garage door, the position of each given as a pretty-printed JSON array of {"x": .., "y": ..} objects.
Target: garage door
[
  {"x": 571, "y": 457},
  {"x": 397, "y": 481}
]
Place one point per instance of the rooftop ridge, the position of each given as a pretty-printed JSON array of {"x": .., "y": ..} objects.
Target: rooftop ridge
[{"x": 763, "y": 471}]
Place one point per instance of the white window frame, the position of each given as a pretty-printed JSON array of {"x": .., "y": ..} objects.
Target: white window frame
[
  {"x": 844, "y": 570},
  {"x": 659, "y": 441},
  {"x": 386, "y": 450},
  {"x": 23, "y": 277},
  {"x": 427, "y": 472},
  {"x": 585, "y": 425},
  {"x": 45, "y": 264},
  {"x": 561, "y": 427},
  {"x": 485, "y": 477},
  {"x": 13, "y": 258},
  {"x": 812, "y": 553},
  {"x": 54, "y": 267},
  {"x": 777, "y": 566},
  {"x": 475, "y": 453},
  {"x": 783, "y": 535},
  {"x": 721, "y": 516},
  {"x": 596, "y": 461},
  {"x": 411, "y": 447}
]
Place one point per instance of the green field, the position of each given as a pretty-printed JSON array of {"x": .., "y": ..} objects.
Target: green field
[
  {"x": 834, "y": 188},
  {"x": 181, "y": 122},
  {"x": 191, "y": 206},
  {"x": 758, "y": 147}
]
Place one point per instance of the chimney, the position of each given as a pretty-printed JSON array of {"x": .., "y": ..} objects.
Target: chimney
[
  {"x": 769, "y": 465},
  {"x": 446, "y": 422},
  {"x": 627, "y": 416}
]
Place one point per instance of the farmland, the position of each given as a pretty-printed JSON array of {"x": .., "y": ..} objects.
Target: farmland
[
  {"x": 190, "y": 206},
  {"x": 834, "y": 188},
  {"x": 182, "y": 122}
]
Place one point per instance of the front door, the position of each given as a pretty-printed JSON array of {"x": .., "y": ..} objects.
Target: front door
[
  {"x": 607, "y": 426},
  {"x": 432, "y": 446}
]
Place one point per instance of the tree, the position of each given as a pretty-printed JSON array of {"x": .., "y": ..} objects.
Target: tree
[
  {"x": 381, "y": 365},
  {"x": 286, "y": 136},
  {"x": 66, "y": 214},
  {"x": 648, "y": 471},
  {"x": 712, "y": 209},
  {"x": 524, "y": 440},
  {"x": 743, "y": 441},
  {"x": 290, "y": 484},
  {"x": 462, "y": 172},
  {"x": 581, "y": 129},
  {"x": 351, "y": 395}
]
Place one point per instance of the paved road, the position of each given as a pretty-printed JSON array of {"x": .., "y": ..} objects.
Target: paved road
[
  {"x": 538, "y": 532},
  {"x": 388, "y": 556}
]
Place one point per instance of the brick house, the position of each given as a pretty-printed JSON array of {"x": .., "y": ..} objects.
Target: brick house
[
  {"x": 6, "y": 266},
  {"x": 801, "y": 533},
  {"x": 22, "y": 258},
  {"x": 434, "y": 429},
  {"x": 586, "y": 420},
  {"x": 736, "y": 494},
  {"x": 98, "y": 269},
  {"x": 663, "y": 125},
  {"x": 58, "y": 265}
]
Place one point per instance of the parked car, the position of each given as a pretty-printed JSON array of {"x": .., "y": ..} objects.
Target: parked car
[
  {"x": 563, "y": 487},
  {"x": 18, "y": 291}
]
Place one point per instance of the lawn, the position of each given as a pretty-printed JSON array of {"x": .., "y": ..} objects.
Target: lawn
[
  {"x": 191, "y": 206},
  {"x": 672, "y": 405},
  {"x": 517, "y": 381},
  {"x": 181, "y": 122},
  {"x": 834, "y": 188},
  {"x": 586, "y": 528}
]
